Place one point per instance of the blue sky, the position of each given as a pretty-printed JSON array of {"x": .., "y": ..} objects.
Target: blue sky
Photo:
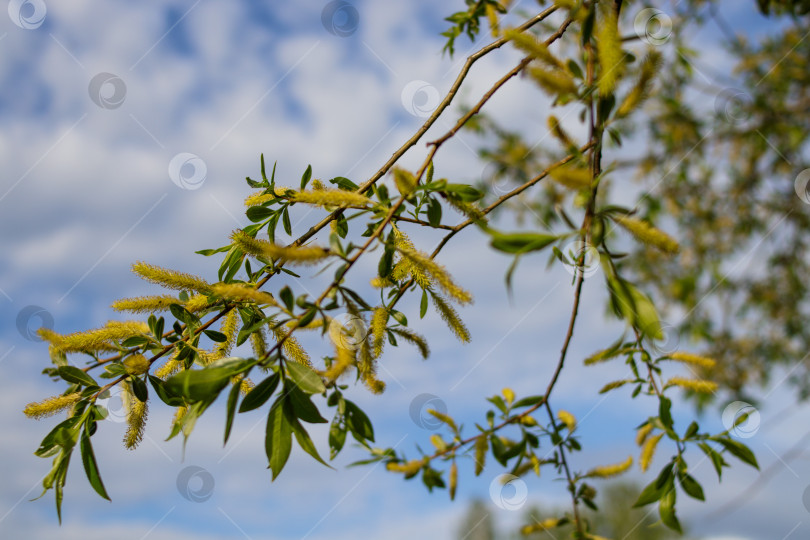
[{"x": 85, "y": 191}]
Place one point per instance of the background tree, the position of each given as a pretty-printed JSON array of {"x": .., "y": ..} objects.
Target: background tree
[{"x": 577, "y": 53}]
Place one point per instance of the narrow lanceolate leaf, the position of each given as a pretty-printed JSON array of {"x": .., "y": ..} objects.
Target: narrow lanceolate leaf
[
  {"x": 91, "y": 467},
  {"x": 75, "y": 375},
  {"x": 305, "y": 378},
  {"x": 739, "y": 450},
  {"x": 609, "y": 51},
  {"x": 260, "y": 393},
  {"x": 521, "y": 242},
  {"x": 278, "y": 438},
  {"x": 305, "y": 442}
]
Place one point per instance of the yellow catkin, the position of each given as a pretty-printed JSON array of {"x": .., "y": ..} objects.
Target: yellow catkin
[
  {"x": 438, "y": 443},
  {"x": 410, "y": 468},
  {"x": 439, "y": 274},
  {"x": 648, "y": 451},
  {"x": 230, "y": 327},
  {"x": 468, "y": 209},
  {"x": 145, "y": 304},
  {"x": 642, "y": 433},
  {"x": 641, "y": 90},
  {"x": 171, "y": 279},
  {"x": 179, "y": 414},
  {"x": 700, "y": 386},
  {"x": 606, "y": 471},
  {"x": 693, "y": 359},
  {"x": 453, "y": 480},
  {"x": 378, "y": 321},
  {"x": 508, "y": 395},
  {"x": 261, "y": 197},
  {"x": 197, "y": 302},
  {"x": 259, "y": 343},
  {"x": 403, "y": 268},
  {"x": 451, "y": 318},
  {"x": 414, "y": 339},
  {"x": 614, "y": 384},
  {"x": 546, "y": 524},
  {"x": 171, "y": 367},
  {"x": 609, "y": 51},
  {"x": 99, "y": 339},
  {"x": 532, "y": 46},
  {"x": 568, "y": 419},
  {"x": 481, "y": 447},
  {"x": 404, "y": 181},
  {"x": 137, "y": 364},
  {"x": 244, "y": 292},
  {"x": 554, "y": 81},
  {"x": 245, "y": 384},
  {"x": 648, "y": 234},
  {"x": 51, "y": 405},
  {"x": 572, "y": 176},
  {"x": 317, "y": 185},
  {"x": 269, "y": 250},
  {"x": 444, "y": 418},
  {"x": 136, "y": 423},
  {"x": 559, "y": 133},
  {"x": 603, "y": 356},
  {"x": 291, "y": 347},
  {"x": 367, "y": 370},
  {"x": 332, "y": 198},
  {"x": 344, "y": 358}
]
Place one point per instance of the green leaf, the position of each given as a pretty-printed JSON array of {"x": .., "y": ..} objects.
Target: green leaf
[
  {"x": 528, "y": 401},
  {"x": 163, "y": 394},
  {"x": 199, "y": 384},
  {"x": 139, "y": 388},
  {"x": 716, "y": 457},
  {"x": 664, "y": 407},
  {"x": 209, "y": 252},
  {"x": 305, "y": 442},
  {"x": 285, "y": 220},
  {"x": 386, "y": 261},
  {"x": 344, "y": 183},
  {"x": 521, "y": 242},
  {"x": 666, "y": 508},
  {"x": 464, "y": 192},
  {"x": 213, "y": 335},
  {"x": 423, "y": 306},
  {"x": 278, "y": 437},
  {"x": 233, "y": 397},
  {"x": 302, "y": 406},
  {"x": 286, "y": 296},
  {"x": 259, "y": 213},
  {"x": 691, "y": 486},
  {"x": 337, "y": 436},
  {"x": 358, "y": 423},
  {"x": 434, "y": 212},
  {"x": 260, "y": 393},
  {"x": 91, "y": 467},
  {"x": 655, "y": 489},
  {"x": 305, "y": 378},
  {"x": 305, "y": 178},
  {"x": 76, "y": 376},
  {"x": 738, "y": 450}
]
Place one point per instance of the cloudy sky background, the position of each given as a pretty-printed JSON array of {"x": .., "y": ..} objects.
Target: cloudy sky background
[{"x": 85, "y": 191}]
